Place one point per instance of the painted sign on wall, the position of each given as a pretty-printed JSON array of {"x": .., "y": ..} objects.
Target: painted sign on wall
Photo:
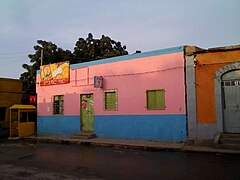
[
  {"x": 33, "y": 99},
  {"x": 57, "y": 73}
]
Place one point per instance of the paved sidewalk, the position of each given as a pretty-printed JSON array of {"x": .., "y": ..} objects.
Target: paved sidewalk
[{"x": 137, "y": 144}]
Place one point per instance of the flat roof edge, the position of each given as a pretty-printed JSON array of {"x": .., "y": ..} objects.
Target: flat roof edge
[
  {"x": 189, "y": 50},
  {"x": 10, "y": 79},
  {"x": 224, "y": 48},
  {"x": 129, "y": 57}
]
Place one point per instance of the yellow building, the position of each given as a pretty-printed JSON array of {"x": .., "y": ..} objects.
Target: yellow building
[{"x": 10, "y": 94}]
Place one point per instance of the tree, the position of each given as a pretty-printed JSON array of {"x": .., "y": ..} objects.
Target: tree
[
  {"x": 91, "y": 49},
  {"x": 51, "y": 54},
  {"x": 85, "y": 50}
]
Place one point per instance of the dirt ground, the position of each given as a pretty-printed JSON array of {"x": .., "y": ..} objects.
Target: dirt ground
[{"x": 9, "y": 171}]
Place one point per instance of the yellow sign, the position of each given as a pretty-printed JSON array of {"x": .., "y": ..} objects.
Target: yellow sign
[{"x": 57, "y": 73}]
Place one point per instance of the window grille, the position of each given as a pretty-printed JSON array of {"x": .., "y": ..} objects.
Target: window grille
[
  {"x": 110, "y": 100},
  {"x": 58, "y": 107}
]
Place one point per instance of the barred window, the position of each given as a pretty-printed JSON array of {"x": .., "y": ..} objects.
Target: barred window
[
  {"x": 110, "y": 100},
  {"x": 58, "y": 108}
]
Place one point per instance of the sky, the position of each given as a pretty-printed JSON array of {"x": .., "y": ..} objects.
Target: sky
[{"x": 144, "y": 25}]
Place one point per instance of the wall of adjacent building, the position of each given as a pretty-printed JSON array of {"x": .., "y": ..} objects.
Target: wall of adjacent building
[
  {"x": 203, "y": 102},
  {"x": 10, "y": 93}
]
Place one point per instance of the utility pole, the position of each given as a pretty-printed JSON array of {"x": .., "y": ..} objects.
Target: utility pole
[{"x": 41, "y": 56}]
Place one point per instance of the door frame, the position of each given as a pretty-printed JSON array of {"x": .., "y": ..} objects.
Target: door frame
[{"x": 219, "y": 96}]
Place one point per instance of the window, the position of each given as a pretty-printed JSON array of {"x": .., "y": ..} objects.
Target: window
[
  {"x": 58, "y": 105},
  {"x": 110, "y": 100},
  {"x": 155, "y": 99},
  {"x": 28, "y": 116},
  {"x": 2, "y": 113}
]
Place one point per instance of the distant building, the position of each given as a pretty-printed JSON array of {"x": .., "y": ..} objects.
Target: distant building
[{"x": 10, "y": 94}]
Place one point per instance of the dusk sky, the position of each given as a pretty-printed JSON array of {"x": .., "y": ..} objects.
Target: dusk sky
[{"x": 144, "y": 25}]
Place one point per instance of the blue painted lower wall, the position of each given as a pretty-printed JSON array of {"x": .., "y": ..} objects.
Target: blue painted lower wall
[
  {"x": 142, "y": 127},
  {"x": 58, "y": 125}
]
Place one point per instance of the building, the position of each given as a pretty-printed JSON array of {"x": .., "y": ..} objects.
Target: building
[
  {"x": 139, "y": 96},
  {"x": 10, "y": 94},
  {"x": 213, "y": 91},
  {"x": 175, "y": 94}
]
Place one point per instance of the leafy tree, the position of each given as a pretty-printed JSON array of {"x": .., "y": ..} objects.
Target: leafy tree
[
  {"x": 91, "y": 49},
  {"x": 85, "y": 50},
  {"x": 51, "y": 54}
]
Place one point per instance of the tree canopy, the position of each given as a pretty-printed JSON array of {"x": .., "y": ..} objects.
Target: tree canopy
[{"x": 88, "y": 49}]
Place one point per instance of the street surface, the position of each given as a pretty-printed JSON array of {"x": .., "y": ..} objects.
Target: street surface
[{"x": 58, "y": 161}]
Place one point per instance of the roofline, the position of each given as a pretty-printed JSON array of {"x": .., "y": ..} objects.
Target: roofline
[
  {"x": 10, "y": 79},
  {"x": 224, "y": 48},
  {"x": 190, "y": 50},
  {"x": 129, "y": 57},
  {"x": 22, "y": 106}
]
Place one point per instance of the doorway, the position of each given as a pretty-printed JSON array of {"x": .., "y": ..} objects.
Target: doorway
[
  {"x": 231, "y": 102},
  {"x": 87, "y": 113}
]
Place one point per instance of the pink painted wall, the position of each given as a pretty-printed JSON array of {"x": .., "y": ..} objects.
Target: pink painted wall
[{"x": 131, "y": 78}]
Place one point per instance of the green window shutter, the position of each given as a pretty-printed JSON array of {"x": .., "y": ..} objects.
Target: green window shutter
[
  {"x": 160, "y": 99},
  {"x": 110, "y": 100},
  {"x": 151, "y": 96},
  {"x": 155, "y": 99}
]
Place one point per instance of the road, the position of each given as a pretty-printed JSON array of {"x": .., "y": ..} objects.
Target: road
[{"x": 58, "y": 161}]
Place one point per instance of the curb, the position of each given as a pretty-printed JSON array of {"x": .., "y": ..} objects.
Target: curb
[
  {"x": 104, "y": 144},
  {"x": 145, "y": 145}
]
